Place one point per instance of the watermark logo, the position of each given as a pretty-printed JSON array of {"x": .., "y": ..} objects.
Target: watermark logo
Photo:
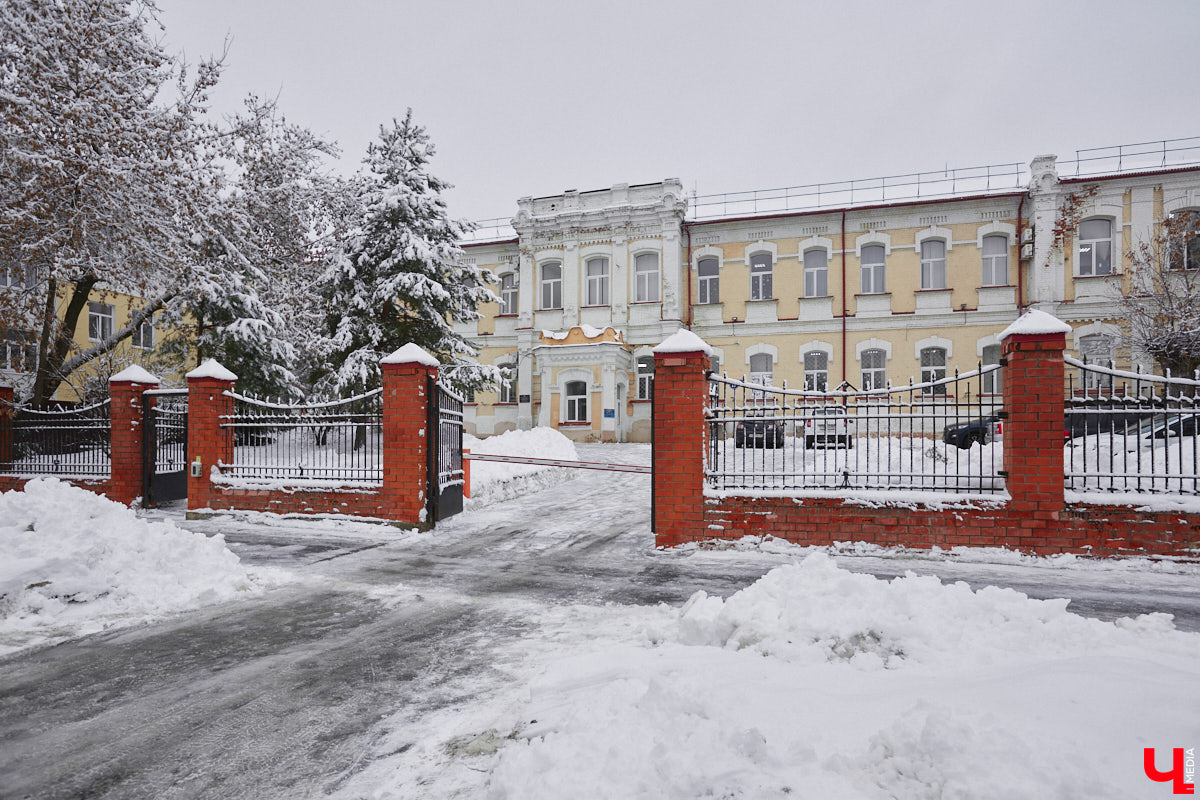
[{"x": 1183, "y": 769}]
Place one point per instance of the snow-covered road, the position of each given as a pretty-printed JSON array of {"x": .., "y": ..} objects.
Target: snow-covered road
[{"x": 379, "y": 661}]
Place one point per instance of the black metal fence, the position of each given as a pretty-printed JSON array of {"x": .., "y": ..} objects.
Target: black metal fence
[
  {"x": 65, "y": 442},
  {"x": 341, "y": 440},
  {"x": 1130, "y": 432},
  {"x": 940, "y": 435}
]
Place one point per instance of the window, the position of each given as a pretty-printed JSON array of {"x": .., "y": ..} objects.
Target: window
[
  {"x": 760, "y": 276},
  {"x": 1098, "y": 349},
  {"x": 17, "y": 352},
  {"x": 816, "y": 371},
  {"x": 1183, "y": 237},
  {"x": 816, "y": 273},
  {"x": 508, "y": 293},
  {"x": 16, "y": 276},
  {"x": 710, "y": 282},
  {"x": 933, "y": 368},
  {"x": 646, "y": 282},
  {"x": 143, "y": 335},
  {"x": 991, "y": 381},
  {"x": 645, "y": 378},
  {"x": 577, "y": 401},
  {"x": 874, "y": 369},
  {"x": 508, "y": 383},
  {"x": 552, "y": 285},
  {"x": 995, "y": 261},
  {"x": 933, "y": 264},
  {"x": 872, "y": 270},
  {"x": 762, "y": 367},
  {"x": 1095, "y": 247},
  {"x": 714, "y": 364},
  {"x": 100, "y": 321},
  {"x": 596, "y": 271}
]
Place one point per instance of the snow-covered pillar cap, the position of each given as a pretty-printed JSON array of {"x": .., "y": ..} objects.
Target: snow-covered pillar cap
[
  {"x": 411, "y": 354},
  {"x": 683, "y": 341},
  {"x": 133, "y": 374},
  {"x": 1035, "y": 322},
  {"x": 211, "y": 368}
]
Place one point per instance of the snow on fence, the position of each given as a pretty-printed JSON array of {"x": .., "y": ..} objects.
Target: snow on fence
[
  {"x": 938, "y": 435},
  {"x": 64, "y": 442},
  {"x": 1130, "y": 432},
  {"x": 341, "y": 440}
]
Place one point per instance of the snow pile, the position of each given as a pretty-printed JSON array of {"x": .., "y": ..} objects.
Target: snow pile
[
  {"x": 493, "y": 481},
  {"x": 816, "y": 682},
  {"x": 75, "y": 563}
]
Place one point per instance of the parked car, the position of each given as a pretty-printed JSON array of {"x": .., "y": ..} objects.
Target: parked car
[
  {"x": 1170, "y": 426},
  {"x": 978, "y": 431},
  {"x": 758, "y": 433},
  {"x": 1083, "y": 421},
  {"x": 828, "y": 426}
]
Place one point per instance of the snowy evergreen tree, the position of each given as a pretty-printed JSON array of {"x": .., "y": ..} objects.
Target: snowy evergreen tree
[{"x": 400, "y": 276}]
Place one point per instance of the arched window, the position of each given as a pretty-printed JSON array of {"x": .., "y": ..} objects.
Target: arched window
[
  {"x": 508, "y": 293},
  {"x": 816, "y": 273},
  {"x": 1100, "y": 350},
  {"x": 508, "y": 383},
  {"x": 577, "y": 401},
  {"x": 760, "y": 276},
  {"x": 933, "y": 264},
  {"x": 596, "y": 270},
  {"x": 710, "y": 282},
  {"x": 816, "y": 371},
  {"x": 552, "y": 285},
  {"x": 762, "y": 368},
  {"x": 645, "y": 378},
  {"x": 873, "y": 279},
  {"x": 1183, "y": 239},
  {"x": 646, "y": 279},
  {"x": 874, "y": 369},
  {"x": 1095, "y": 247},
  {"x": 933, "y": 368},
  {"x": 995, "y": 261},
  {"x": 991, "y": 380}
]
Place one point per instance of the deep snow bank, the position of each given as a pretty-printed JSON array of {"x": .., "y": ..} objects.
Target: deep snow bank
[
  {"x": 493, "y": 481},
  {"x": 74, "y": 563}
]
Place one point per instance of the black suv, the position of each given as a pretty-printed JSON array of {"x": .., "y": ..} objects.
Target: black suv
[
  {"x": 981, "y": 431},
  {"x": 758, "y": 433}
]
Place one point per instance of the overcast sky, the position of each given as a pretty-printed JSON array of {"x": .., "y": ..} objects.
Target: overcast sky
[{"x": 530, "y": 98}]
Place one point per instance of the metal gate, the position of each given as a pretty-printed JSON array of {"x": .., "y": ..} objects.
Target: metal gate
[
  {"x": 164, "y": 445},
  {"x": 445, "y": 495}
]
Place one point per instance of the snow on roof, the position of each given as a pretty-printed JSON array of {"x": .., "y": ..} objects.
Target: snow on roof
[
  {"x": 134, "y": 374},
  {"x": 411, "y": 354},
  {"x": 1035, "y": 323},
  {"x": 589, "y": 332},
  {"x": 684, "y": 341},
  {"x": 212, "y": 368}
]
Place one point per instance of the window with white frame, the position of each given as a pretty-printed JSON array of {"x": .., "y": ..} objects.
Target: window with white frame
[
  {"x": 16, "y": 276},
  {"x": 710, "y": 282},
  {"x": 873, "y": 277},
  {"x": 1095, "y": 247},
  {"x": 577, "y": 401},
  {"x": 646, "y": 278},
  {"x": 816, "y": 371},
  {"x": 1098, "y": 349},
  {"x": 508, "y": 383},
  {"x": 645, "y": 378},
  {"x": 508, "y": 293},
  {"x": 551, "y": 285},
  {"x": 596, "y": 272},
  {"x": 714, "y": 364},
  {"x": 762, "y": 368},
  {"x": 995, "y": 261},
  {"x": 991, "y": 380},
  {"x": 143, "y": 334},
  {"x": 933, "y": 264},
  {"x": 933, "y": 368},
  {"x": 100, "y": 321},
  {"x": 874, "y": 369},
  {"x": 1183, "y": 239},
  {"x": 760, "y": 276},
  {"x": 17, "y": 352},
  {"x": 816, "y": 273}
]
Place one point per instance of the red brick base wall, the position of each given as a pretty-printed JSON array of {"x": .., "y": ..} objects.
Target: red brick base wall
[
  {"x": 298, "y": 501},
  {"x": 1084, "y": 529},
  {"x": 9, "y": 483}
]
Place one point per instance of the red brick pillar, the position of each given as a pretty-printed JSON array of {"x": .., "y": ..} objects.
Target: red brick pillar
[
  {"x": 126, "y": 457},
  {"x": 1033, "y": 434},
  {"x": 406, "y": 375},
  {"x": 680, "y": 438},
  {"x": 208, "y": 442},
  {"x": 7, "y": 412}
]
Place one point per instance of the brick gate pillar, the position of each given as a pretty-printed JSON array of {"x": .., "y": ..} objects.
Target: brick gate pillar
[
  {"x": 128, "y": 426},
  {"x": 1033, "y": 435},
  {"x": 406, "y": 437},
  {"x": 680, "y": 437},
  {"x": 208, "y": 442},
  {"x": 7, "y": 412}
]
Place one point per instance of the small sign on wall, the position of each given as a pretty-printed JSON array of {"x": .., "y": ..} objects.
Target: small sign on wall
[
  {"x": 610, "y": 413},
  {"x": 523, "y": 398}
]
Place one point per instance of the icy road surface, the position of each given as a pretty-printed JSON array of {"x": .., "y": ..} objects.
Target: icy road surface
[{"x": 346, "y": 674}]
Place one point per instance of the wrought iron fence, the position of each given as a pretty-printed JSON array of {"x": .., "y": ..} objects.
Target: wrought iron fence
[
  {"x": 1130, "y": 432},
  {"x": 341, "y": 440},
  {"x": 944, "y": 434},
  {"x": 66, "y": 442}
]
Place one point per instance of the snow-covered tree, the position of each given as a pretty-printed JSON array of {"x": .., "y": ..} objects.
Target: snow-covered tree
[
  {"x": 1163, "y": 305},
  {"x": 400, "y": 276}
]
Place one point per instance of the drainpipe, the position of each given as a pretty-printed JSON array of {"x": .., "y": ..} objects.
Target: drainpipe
[
  {"x": 1020, "y": 267},
  {"x": 687, "y": 271},
  {"x": 844, "y": 295}
]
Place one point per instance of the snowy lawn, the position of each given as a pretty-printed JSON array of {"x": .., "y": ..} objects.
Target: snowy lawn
[
  {"x": 75, "y": 563},
  {"x": 493, "y": 481}
]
